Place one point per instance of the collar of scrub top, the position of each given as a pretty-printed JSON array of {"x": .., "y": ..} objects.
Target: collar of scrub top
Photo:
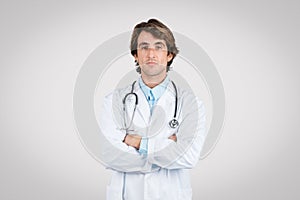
[{"x": 152, "y": 95}]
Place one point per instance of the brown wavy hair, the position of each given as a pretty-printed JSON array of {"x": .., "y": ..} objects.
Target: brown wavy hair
[{"x": 158, "y": 30}]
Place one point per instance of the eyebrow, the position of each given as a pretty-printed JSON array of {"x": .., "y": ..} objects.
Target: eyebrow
[
  {"x": 161, "y": 43},
  {"x": 156, "y": 43},
  {"x": 143, "y": 43}
]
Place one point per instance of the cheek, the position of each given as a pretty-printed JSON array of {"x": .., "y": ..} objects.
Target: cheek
[
  {"x": 140, "y": 58},
  {"x": 164, "y": 59}
]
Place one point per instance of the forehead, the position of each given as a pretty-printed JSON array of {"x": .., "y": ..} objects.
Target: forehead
[{"x": 146, "y": 37}]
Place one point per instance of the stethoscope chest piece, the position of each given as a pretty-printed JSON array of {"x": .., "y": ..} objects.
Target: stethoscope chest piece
[{"x": 173, "y": 123}]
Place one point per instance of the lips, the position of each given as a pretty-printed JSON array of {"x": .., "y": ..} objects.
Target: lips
[{"x": 151, "y": 63}]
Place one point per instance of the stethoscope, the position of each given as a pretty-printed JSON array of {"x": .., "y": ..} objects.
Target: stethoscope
[{"x": 173, "y": 123}]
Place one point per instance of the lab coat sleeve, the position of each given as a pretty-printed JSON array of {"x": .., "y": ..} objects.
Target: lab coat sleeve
[
  {"x": 191, "y": 135},
  {"x": 115, "y": 154}
]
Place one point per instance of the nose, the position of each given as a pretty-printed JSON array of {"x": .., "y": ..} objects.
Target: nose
[{"x": 151, "y": 52}]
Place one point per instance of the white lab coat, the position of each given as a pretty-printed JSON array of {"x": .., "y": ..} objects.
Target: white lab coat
[{"x": 164, "y": 173}]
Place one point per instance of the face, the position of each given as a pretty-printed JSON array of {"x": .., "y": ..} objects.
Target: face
[{"x": 152, "y": 55}]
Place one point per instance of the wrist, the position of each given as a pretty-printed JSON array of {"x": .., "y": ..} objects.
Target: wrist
[{"x": 138, "y": 143}]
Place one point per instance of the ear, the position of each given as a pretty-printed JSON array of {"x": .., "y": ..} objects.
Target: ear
[
  {"x": 135, "y": 57},
  {"x": 169, "y": 57}
]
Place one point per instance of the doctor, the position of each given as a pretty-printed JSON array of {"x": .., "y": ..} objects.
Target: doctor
[{"x": 154, "y": 130}]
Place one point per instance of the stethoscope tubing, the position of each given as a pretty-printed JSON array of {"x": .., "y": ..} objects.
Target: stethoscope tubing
[{"x": 173, "y": 123}]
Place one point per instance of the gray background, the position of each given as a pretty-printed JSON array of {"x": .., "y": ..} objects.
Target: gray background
[{"x": 254, "y": 45}]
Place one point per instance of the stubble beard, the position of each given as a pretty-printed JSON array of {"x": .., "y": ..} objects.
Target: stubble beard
[{"x": 153, "y": 71}]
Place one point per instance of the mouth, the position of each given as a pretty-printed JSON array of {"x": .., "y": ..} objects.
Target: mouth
[{"x": 151, "y": 63}]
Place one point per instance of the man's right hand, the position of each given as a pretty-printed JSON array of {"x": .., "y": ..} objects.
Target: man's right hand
[{"x": 173, "y": 137}]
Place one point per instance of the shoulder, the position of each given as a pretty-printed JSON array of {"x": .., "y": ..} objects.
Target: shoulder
[
  {"x": 117, "y": 93},
  {"x": 187, "y": 97},
  {"x": 186, "y": 93}
]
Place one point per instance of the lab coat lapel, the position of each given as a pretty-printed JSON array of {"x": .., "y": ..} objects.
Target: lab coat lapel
[
  {"x": 143, "y": 108},
  {"x": 163, "y": 111},
  {"x": 161, "y": 114}
]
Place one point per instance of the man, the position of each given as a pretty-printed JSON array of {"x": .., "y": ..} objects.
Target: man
[{"x": 154, "y": 129}]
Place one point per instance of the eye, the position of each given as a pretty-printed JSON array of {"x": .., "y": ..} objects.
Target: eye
[
  {"x": 158, "y": 47},
  {"x": 144, "y": 47}
]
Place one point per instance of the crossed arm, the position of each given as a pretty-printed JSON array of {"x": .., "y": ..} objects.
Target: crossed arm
[
  {"x": 119, "y": 150},
  {"x": 134, "y": 140}
]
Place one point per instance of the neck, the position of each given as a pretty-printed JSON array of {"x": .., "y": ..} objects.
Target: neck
[{"x": 151, "y": 82}]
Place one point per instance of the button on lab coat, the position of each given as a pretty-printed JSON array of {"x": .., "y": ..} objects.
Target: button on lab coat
[{"x": 164, "y": 172}]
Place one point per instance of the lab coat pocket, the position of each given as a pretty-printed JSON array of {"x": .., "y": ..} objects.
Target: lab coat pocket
[
  {"x": 185, "y": 194},
  {"x": 113, "y": 193}
]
